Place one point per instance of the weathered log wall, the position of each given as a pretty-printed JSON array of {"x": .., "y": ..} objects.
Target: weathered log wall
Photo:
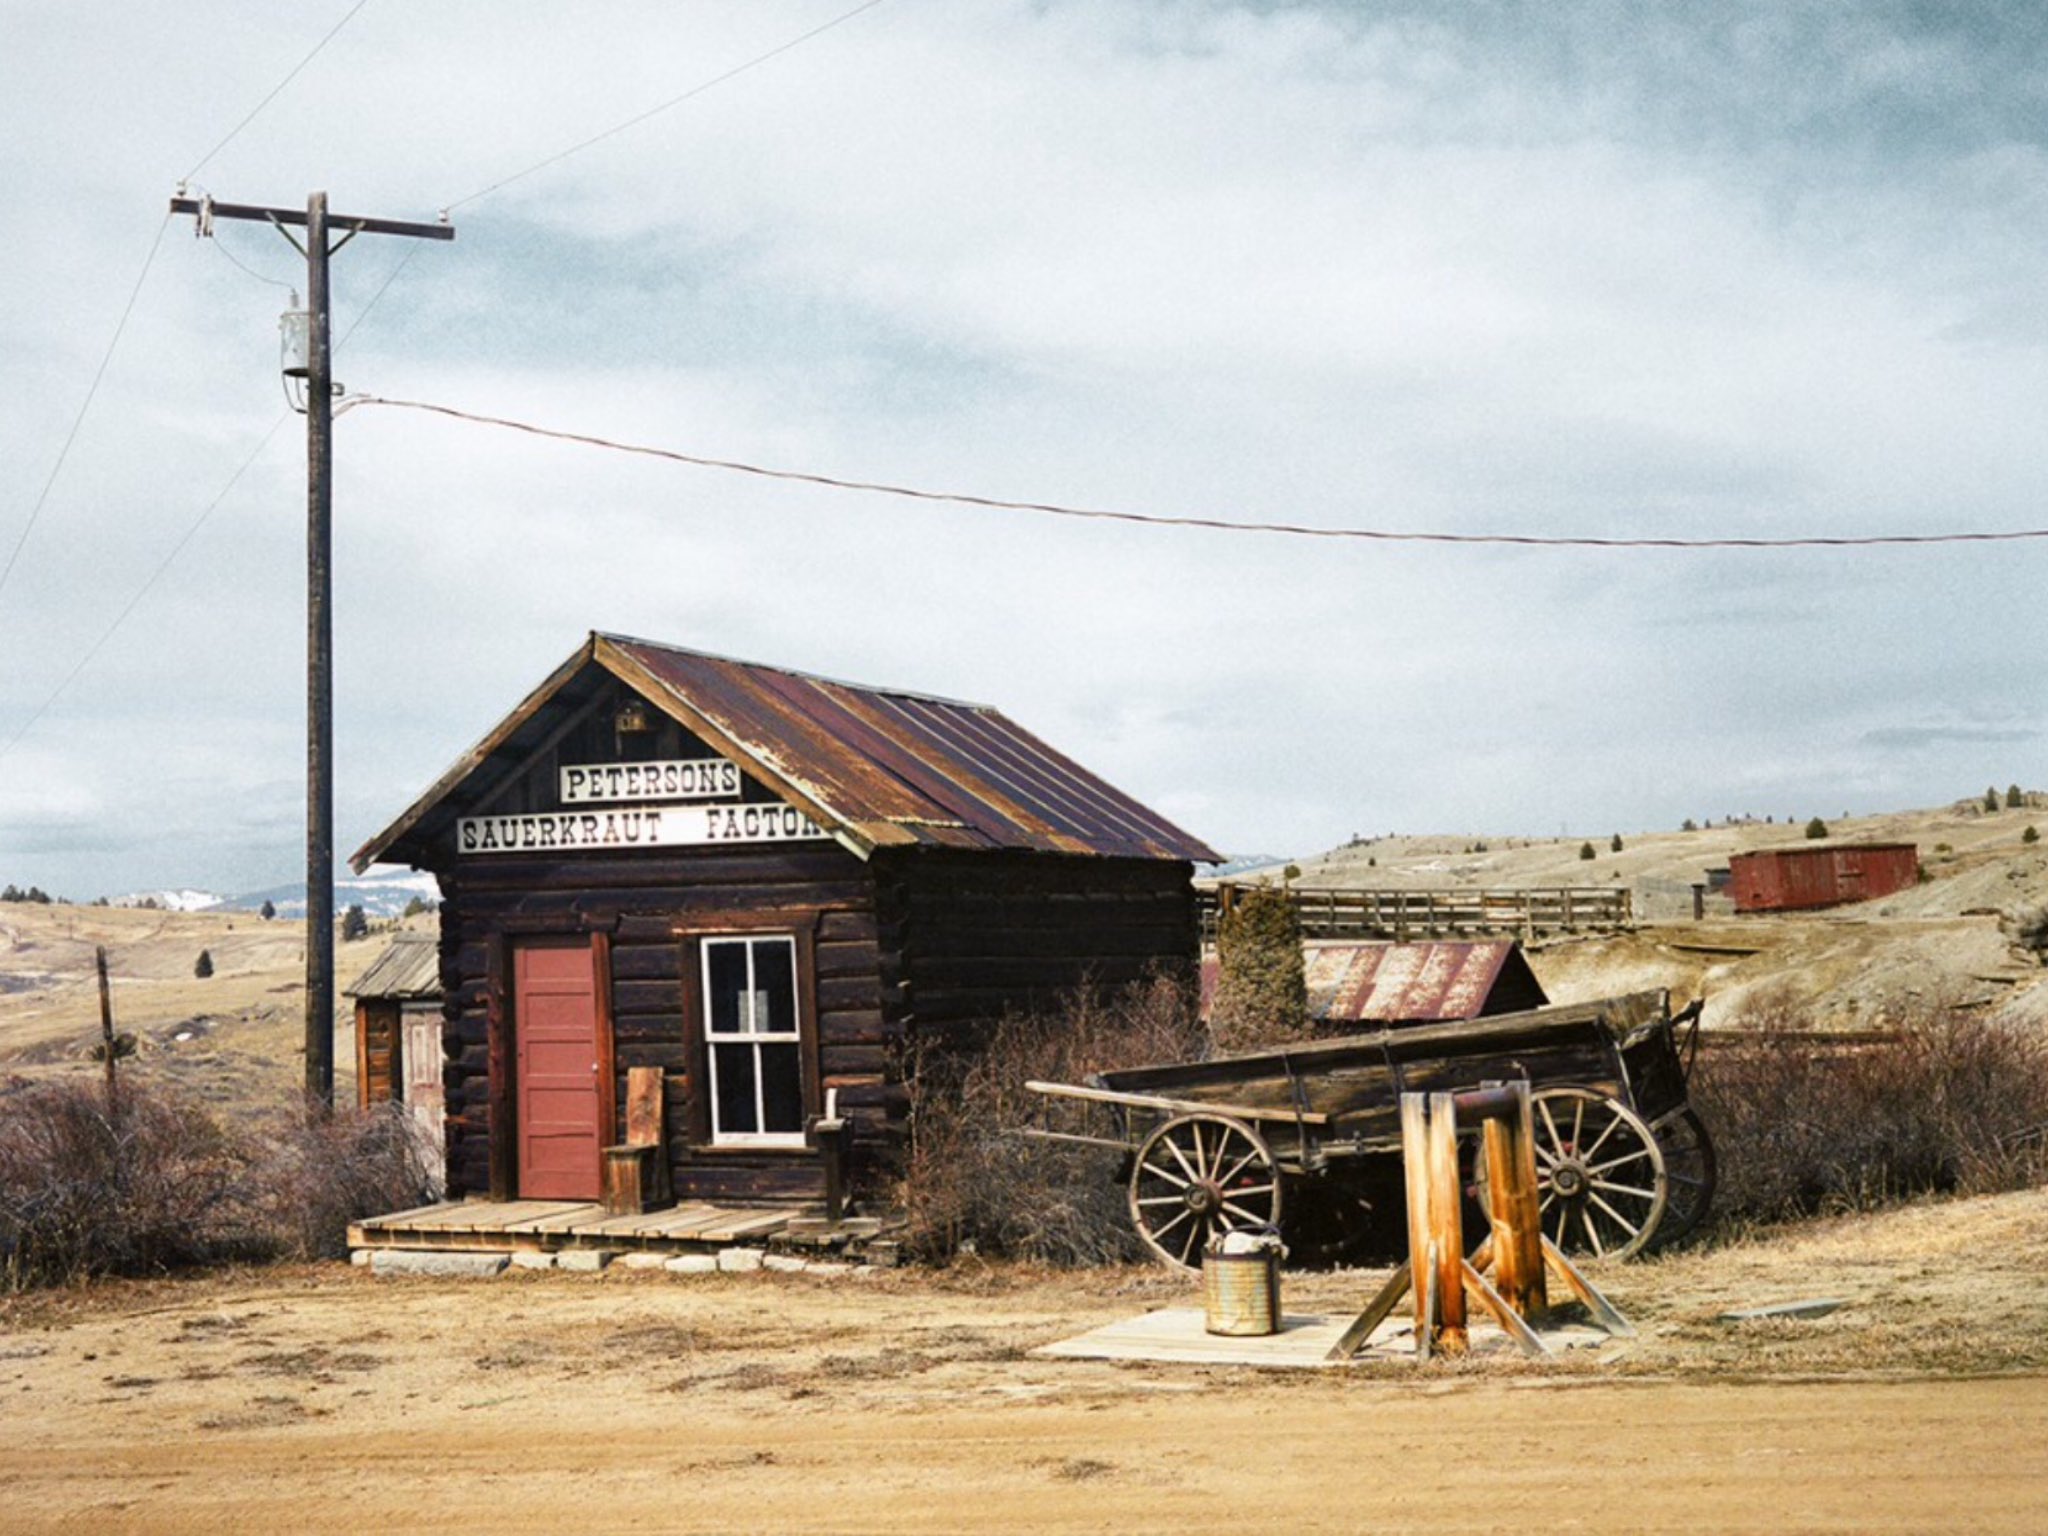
[
  {"x": 983, "y": 932},
  {"x": 646, "y": 902}
]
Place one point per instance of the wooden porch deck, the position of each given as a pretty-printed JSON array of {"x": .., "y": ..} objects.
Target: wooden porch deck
[{"x": 692, "y": 1226}]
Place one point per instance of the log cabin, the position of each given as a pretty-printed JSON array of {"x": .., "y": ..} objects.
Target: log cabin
[{"x": 767, "y": 886}]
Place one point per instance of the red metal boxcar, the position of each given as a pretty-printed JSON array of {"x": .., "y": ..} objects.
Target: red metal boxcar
[{"x": 1783, "y": 879}]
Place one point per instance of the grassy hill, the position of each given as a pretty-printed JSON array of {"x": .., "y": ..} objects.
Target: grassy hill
[{"x": 233, "y": 1038}]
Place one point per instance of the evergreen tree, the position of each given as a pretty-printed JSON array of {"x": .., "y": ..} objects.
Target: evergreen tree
[
  {"x": 1261, "y": 990},
  {"x": 267, "y": 911},
  {"x": 2013, "y": 798},
  {"x": 203, "y": 966},
  {"x": 353, "y": 924},
  {"x": 1990, "y": 799},
  {"x": 1586, "y": 851},
  {"x": 1816, "y": 828},
  {"x": 1615, "y": 846}
]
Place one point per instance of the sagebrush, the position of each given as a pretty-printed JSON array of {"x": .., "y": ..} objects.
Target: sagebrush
[
  {"x": 971, "y": 1181},
  {"x": 158, "y": 1183},
  {"x": 1934, "y": 1100}
]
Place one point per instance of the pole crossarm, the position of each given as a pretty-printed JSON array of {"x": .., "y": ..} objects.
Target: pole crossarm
[{"x": 346, "y": 221}]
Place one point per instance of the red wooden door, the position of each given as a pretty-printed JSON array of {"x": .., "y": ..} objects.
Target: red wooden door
[{"x": 554, "y": 1013}]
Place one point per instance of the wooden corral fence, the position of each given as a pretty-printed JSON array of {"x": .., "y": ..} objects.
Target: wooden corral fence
[{"x": 1400, "y": 915}]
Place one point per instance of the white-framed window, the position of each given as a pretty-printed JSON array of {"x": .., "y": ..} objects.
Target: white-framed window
[{"x": 753, "y": 1041}]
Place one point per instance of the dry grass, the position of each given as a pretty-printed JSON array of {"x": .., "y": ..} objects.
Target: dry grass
[
  {"x": 972, "y": 1183},
  {"x": 1936, "y": 1101}
]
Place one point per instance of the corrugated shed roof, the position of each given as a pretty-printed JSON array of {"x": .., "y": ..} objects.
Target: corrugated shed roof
[
  {"x": 409, "y": 967},
  {"x": 879, "y": 767},
  {"x": 1395, "y": 983}
]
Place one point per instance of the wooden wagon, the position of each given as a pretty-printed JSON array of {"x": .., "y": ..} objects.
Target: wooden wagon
[{"x": 1305, "y": 1137}]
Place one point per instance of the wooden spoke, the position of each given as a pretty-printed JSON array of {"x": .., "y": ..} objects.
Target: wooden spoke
[
  {"x": 1601, "y": 1179},
  {"x": 1196, "y": 1177}
]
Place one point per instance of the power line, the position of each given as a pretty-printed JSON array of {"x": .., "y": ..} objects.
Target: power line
[
  {"x": 1214, "y": 524},
  {"x": 362, "y": 315},
  {"x": 92, "y": 390},
  {"x": 143, "y": 591},
  {"x": 85, "y": 405},
  {"x": 656, "y": 111},
  {"x": 256, "y": 111},
  {"x": 222, "y": 246},
  {"x": 575, "y": 149}
]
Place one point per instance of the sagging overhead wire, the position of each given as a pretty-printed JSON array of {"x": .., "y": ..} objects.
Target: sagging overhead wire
[
  {"x": 277, "y": 89},
  {"x": 92, "y": 389},
  {"x": 100, "y": 373},
  {"x": 1213, "y": 524},
  {"x": 142, "y": 591},
  {"x": 655, "y": 111}
]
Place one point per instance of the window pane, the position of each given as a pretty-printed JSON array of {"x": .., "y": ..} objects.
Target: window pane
[
  {"x": 732, "y": 1074},
  {"x": 782, "y": 1088},
  {"x": 774, "y": 987},
  {"x": 725, "y": 966}
]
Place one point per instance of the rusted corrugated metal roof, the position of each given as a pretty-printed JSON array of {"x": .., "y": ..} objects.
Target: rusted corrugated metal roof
[
  {"x": 409, "y": 968},
  {"x": 878, "y": 767},
  {"x": 1396, "y": 983}
]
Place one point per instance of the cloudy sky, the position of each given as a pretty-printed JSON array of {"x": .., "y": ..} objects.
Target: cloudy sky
[{"x": 1553, "y": 268}]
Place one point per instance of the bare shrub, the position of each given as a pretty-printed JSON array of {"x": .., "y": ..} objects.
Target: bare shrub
[
  {"x": 971, "y": 1180},
  {"x": 1934, "y": 1100},
  {"x": 319, "y": 1172},
  {"x": 148, "y": 1188},
  {"x": 160, "y": 1184}
]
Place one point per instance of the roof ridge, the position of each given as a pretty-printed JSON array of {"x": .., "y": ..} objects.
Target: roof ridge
[{"x": 809, "y": 677}]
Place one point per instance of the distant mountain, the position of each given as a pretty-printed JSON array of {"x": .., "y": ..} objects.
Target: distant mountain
[
  {"x": 381, "y": 893},
  {"x": 1243, "y": 864},
  {"x": 170, "y": 901}
]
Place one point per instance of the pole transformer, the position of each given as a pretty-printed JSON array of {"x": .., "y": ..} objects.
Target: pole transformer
[{"x": 318, "y": 247}]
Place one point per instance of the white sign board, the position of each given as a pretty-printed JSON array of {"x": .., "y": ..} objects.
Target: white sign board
[
  {"x": 697, "y": 778},
  {"x": 660, "y": 826}
]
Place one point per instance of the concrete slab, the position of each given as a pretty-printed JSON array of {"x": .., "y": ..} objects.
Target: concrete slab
[
  {"x": 1178, "y": 1335},
  {"x": 692, "y": 1264},
  {"x": 401, "y": 1261},
  {"x": 642, "y": 1260},
  {"x": 739, "y": 1260},
  {"x": 532, "y": 1258},
  {"x": 784, "y": 1263},
  {"x": 584, "y": 1260}
]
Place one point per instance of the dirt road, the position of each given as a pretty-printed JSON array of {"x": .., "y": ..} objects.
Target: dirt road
[
  {"x": 1211, "y": 1455},
  {"x": 320, "y": 1399}
]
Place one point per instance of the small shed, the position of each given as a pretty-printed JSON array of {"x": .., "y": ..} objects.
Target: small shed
[
  {"x": 771, "y": 887},
  {"x": 1823, "y": 875},
  {"x": 1354, "y": 984},
  {"x": 398, "y": 1034}
]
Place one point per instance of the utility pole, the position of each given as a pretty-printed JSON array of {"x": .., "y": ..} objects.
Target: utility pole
[{"x": 319, "y": 373}]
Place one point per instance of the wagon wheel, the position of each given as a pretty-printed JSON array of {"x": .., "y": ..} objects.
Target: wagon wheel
[
  {"x": 1196, "y": 1177},
  {"x": 1600, "y": 1175},
  {"x": 1330, "y": 1221},
  {"x": 1690, "y": 1168}
]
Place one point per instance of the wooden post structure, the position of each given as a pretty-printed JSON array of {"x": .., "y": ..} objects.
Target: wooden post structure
[
  {"x": 318, "y": 247},
  {"x": 1437, "y": 1273},
  {"x": 1509, "y": 1147},
  {"x": 106, "y": 1026}
]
